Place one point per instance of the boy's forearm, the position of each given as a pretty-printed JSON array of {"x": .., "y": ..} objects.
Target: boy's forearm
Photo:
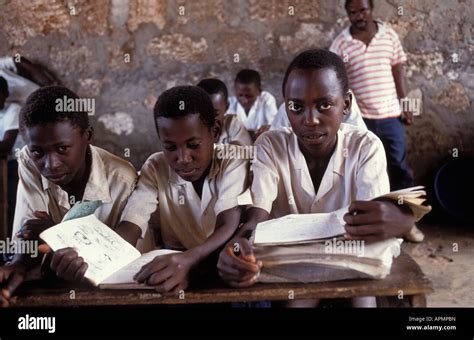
[
  {"x": 255, "y": 216},
  {"x": 129, "y": 231}
]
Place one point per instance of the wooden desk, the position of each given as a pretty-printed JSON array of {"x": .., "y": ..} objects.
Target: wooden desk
[
  {"x": 3, "y": 198},
  {"x": 406, "y": 276}
]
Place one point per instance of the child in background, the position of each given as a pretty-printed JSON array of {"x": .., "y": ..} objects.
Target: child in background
[
  {"x": 255, "y": 108},
  {"x": 192, "y": 185},
  {"x": 232, "y": 129}
]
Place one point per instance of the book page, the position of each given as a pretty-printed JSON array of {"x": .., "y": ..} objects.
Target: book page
[
  {"x": 297, "y": 228},
  {"x": 126, "y": 274},
  {"x": 102, "y": 248}
]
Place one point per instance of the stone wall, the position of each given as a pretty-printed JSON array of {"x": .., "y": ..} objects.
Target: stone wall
[{"x": 126, "y": 52}]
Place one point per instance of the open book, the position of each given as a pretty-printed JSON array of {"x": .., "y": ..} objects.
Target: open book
[
  {"x": 112, "y": 261},
  {"x": 310, "y": 247}
]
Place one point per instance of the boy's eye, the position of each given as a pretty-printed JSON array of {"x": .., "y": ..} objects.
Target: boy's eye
[
  {"x": 63, "y": 149},
  {"x": 170, "y": 148},
  {"x": 325, "y": 106},
  {"x": 193, "y": 146},
  {"x": 292, "y": 106}
]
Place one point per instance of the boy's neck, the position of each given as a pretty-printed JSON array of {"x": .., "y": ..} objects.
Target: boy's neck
[
  {"x": 198, "y": 184},
  {"x": 372, "y": 28},
  {"x": 78, "y": 185}
]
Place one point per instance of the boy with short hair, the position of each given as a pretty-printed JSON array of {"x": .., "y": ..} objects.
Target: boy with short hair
[
  {"x": 232, "y": 129},
  {"x": 196, "y": 190},
  {"x": 317, "y": 166},
  {"x": 57, "y": 168},
  {"x": 255, "y": 108}
]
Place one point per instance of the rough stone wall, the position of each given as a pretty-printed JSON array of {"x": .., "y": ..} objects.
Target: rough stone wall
[{"x": 126, "y": 52}]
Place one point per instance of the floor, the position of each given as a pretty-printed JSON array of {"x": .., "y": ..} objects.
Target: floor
[{"x": 446, "y": 256}]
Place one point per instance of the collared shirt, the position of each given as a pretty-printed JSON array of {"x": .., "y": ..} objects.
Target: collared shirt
[
  {"x": 111, "y": 180},
  {"x": 233, "y": 131},
  {"x": 185, "y": 220},
  {"x": 261, "y": 113},
  {"x": 369, "y": 69},
  {"x": 354, "y": 117},
  {"x": 282, "y": 183},
  {"x": 18, "y": 87}
]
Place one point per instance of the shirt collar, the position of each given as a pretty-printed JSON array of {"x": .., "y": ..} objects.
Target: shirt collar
[
  {"x": 97, "y": 186},
  {"x": 337, "y": 159},
  {"x": 382, "y": 29}
]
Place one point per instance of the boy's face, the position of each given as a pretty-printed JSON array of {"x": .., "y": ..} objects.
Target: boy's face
[
  {"x": 220, "y": 104},
  {"x": 315, "y": 106},
  {"x": 58, "y": 150},
  {"x": 247, "y": 94},
  {"x": 360, "y": 14},
  {"x": 188, "y": 145}
]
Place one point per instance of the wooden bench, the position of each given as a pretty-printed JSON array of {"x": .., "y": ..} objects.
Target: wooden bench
[{"x": 406, "y": 278}]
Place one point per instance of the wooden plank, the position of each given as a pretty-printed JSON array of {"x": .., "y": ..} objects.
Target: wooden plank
[
  {"x": 406, "y": 276},
  {"x": 3, "y": 198}
]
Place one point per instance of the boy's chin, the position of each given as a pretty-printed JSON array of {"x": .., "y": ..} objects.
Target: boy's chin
[{"x": 190, "y": 176}]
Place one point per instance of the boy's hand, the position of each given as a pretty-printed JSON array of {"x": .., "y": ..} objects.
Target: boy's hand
[
  {"x": 377, "y": 220},
  {"x": 68, "y": 265},
  {"x": 169, "y": 273},
  {"x": 32, "y": 228},
  {"x": 237, "y": 264},
  {"x": 11, "y": 276}
]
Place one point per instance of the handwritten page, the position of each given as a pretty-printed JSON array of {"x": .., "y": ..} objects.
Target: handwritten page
[
  {"x": 102, "y": 248},
  {"x": 298, "y": 228},
  {"x": 126, "y": 274}
]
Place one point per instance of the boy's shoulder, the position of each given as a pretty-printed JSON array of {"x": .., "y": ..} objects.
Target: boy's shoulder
[
  {"x": 280, "y": 137},
  {"x": 114, "y": 165},
  {"x": 355, "y": 136}
]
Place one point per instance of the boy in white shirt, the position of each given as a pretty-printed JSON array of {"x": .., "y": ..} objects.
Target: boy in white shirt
[
  {"x": 232, "y": 129},
  {"x": 193, "y": 184},
  {"x": 255, "y": 108},
  {"x": 317, "y": 166}
]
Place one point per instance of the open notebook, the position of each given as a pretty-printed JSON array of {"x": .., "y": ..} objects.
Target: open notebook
[
  {"x": 112, "y": 261},
  {"x": 310, "y": 247}
]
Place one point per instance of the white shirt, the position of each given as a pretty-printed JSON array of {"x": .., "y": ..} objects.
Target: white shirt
[
  {"x": 233, "y": 131},
  {"x": 185, "y": 220},
  {"x": 282, "y": 183},
  {"x": 354, "y": 117},
  {"x": 111, "y": 180},
  {"x": 20, "y": 88},
  {"x": 261, "y": 113}
]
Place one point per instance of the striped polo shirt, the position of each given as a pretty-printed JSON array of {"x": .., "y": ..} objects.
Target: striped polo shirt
[{"x": 369, "y": 69}]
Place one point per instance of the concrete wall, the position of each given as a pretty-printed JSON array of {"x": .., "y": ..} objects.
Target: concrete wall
[{"x": 126, "y": 52}]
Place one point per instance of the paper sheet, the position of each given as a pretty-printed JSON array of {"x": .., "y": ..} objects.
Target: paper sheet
[
  {"x": 126, "y": 274},
  {"x": 297, "y": 228},
  {"x": 102, "y": 249}
]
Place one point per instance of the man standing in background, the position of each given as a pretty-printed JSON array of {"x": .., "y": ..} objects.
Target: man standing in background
[{"x": 374, "y": 60}]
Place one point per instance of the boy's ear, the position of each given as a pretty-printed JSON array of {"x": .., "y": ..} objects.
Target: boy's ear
[
  {"x": 347, "y": 102},
  {"x": 89, "y": 133},
  {"x": 216, "y": 130}
]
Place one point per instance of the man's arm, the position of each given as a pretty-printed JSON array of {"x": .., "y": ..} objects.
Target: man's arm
[{"x": 400, "y": 84}]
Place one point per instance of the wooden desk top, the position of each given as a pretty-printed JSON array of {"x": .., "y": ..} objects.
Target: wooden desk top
[{"x": 406, "y": 276}]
